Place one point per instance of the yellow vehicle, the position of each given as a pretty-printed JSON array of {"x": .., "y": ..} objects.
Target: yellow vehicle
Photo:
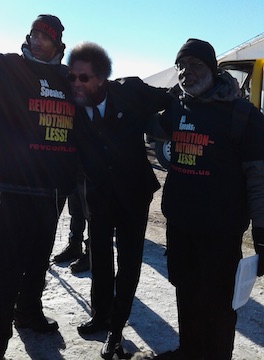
[{"x": 249, "y": 74}]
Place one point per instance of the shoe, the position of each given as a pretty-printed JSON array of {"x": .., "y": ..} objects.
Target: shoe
[
  {"x": 124, "y": 354},
  {"x": 38, "y": 323},
  {"x": 81, "y": 264},
  {"x": 92, "y": 326},
  {"x": 71, "y": 252},
  {"x": 111, "y": 345}
]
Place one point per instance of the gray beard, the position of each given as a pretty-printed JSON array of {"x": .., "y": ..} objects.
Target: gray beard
[
  {"x": 200, "y": 87},
  {"x": 87, "y": 101}
]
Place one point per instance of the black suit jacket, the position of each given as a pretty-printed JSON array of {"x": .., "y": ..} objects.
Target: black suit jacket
[{"x": 113, "y": 153}]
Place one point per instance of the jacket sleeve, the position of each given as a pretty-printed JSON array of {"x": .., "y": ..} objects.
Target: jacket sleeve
[
  {"x": 254, "y": 172},
  {"x": 149, "y": 99},
  {"x": 155, "y": 130},
  {"x": 255, "y": 185}
]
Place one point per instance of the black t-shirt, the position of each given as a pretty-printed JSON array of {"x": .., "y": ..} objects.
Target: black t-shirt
[
  {"x": 36, "y": 125},
  {"x": 205, "y": 189}
]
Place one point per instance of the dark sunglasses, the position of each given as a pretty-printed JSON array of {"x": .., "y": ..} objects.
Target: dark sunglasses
[{"x": 82, "y": 77}]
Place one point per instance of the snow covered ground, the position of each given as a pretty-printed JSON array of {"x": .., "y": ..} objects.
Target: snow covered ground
[{"x": 153, "y": 321}]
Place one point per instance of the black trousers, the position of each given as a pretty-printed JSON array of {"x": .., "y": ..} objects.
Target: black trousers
[
  {"x": 27, "y": 232},
  {"x": 113, "y": 289},
  {"x": 202, "y": 267},
  {"x": 78, "y": 221}
]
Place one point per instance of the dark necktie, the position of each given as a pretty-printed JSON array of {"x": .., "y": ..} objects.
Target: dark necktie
[{"x": 97, "y": 118}]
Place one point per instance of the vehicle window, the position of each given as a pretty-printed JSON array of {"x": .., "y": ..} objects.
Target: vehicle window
[{"x": 242, "y": 71}]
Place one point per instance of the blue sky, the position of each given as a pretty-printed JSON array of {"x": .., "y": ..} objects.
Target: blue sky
[{"x": 141, "y": 36}]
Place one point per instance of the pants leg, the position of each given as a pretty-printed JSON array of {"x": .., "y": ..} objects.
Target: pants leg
[
  {"x": 130, "y": 236},
  {"x": 206, "y": 332},
  {"x": 202, "y": 267},
  {"x": 41, "y": 240},
  {"x": 102, "y": 260},
  {"x": 13, "y": 250},
  {"x": 78, "y": 223},
  {"x": 112, "y": 294},
  {"x": 3, "y": 347}
]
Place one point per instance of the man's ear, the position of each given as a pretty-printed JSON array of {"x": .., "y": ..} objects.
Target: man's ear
[{"x": 28, "y": 39}]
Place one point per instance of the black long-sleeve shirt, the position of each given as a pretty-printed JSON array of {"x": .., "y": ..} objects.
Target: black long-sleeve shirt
[{"x": 37, "y": 152}]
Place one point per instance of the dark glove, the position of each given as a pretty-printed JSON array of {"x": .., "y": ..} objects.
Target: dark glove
[{"x": 258, "y": 238}]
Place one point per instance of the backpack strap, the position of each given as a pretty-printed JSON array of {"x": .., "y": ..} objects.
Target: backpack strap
[{"x": 240, "y": 117}]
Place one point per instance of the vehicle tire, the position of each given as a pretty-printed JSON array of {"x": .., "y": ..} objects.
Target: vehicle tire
[{"x": 163, "y": 153}]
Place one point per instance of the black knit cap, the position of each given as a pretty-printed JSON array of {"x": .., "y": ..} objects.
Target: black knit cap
[
  {"x": 201, "y": 50},
  {"x": 49, "y": 25}
]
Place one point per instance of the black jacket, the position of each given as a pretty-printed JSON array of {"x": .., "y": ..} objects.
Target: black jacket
[{"x": 114, "y": 154}]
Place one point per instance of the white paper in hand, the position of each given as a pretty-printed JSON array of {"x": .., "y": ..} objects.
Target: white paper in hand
[{"x": 246, "y": 276}]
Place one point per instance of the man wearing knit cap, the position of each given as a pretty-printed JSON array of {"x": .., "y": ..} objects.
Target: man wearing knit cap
[
  {"x": 214, "y": 187},
  {"x": 37, "y": 171},
  {"x": 50, "y": 28},
  {"x": 49, "y": 25}
]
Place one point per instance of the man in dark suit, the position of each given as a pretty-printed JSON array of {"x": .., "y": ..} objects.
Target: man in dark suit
[{"x": 110, "y": 139}]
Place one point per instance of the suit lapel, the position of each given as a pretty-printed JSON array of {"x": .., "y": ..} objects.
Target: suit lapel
[{"x": 115, "y": 107}]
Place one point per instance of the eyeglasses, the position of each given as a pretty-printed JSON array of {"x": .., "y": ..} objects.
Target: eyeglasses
[{"x": 82, "y": 77}]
